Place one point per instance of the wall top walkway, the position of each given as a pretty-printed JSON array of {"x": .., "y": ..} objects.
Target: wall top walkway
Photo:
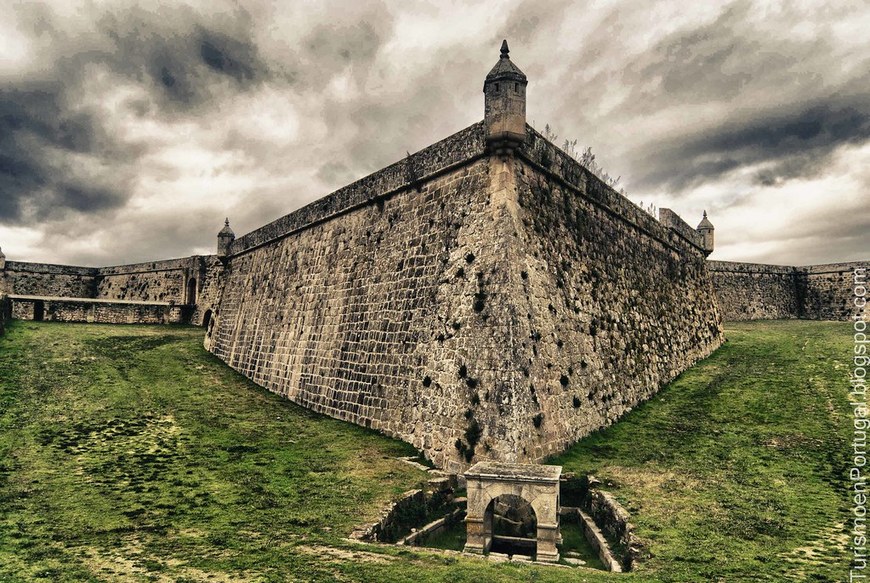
[{"x": 87, "y": 300}]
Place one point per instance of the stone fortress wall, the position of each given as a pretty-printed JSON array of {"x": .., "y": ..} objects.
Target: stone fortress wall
[
  {"x": 611, "y": 303},
  {"x": 473, "y": 306},
  {"x": 44, "y": 308},
  {"x": 827, "y": 292},
  {"x": 143, "y": 292},
  {"x": 342, "y": 316},
  {"x": 45, "y": 279},
  {"x": 752, "y": 291},
  {"x": 485, "y": 298}
]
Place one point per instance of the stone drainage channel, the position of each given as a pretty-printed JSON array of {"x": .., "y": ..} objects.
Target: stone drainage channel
[{"x": 597, "y": 532}]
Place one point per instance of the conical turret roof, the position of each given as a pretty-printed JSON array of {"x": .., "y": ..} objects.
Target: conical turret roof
[
  {"x": 505, "y": 68},
  {"x": 227, "y": 230},
  {"x": 705, "y": 224}
]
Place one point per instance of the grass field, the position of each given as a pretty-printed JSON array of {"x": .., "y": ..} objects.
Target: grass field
[{"x": 128, "y": 453}]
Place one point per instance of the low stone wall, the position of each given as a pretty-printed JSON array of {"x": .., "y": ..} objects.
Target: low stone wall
[
  {"x": 51, "y": 309},
  {"x": 410, "y": 510},
  {"x": 827, "y": 291},
  {"x": 418, "y": 537},
  {"x": 47, "y": 279},
  {"x": 753, "y": 291},
  {"x": 613, "y": 520},
  {"x": 594, "y": 537},
  {"x": 192, "y": 281},
  {"x": 608, "y": 515}
]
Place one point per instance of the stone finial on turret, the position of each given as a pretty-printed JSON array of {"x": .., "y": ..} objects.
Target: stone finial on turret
[
  {"x": 504, "y": 92},
  {"x": 705, "y": 227},
  {"x": 225, "y": 240}
]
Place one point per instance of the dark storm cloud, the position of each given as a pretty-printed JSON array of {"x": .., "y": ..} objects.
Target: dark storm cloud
[
  {"x": 181, "y": 59},
  {"x": 228, "y": 56},
  {"x": 794, "y": 144},
  {"x": 39, "y": 112},
  {"x": 527, "y": 20},
  {"x": 361, "y": 125},
  {"x": 111, "y": 115},
  {"x": 48, "y": 127},
  {"x": 832, "y": 233},
  {"x": 783, "y": 99},
  {"x": 735, "y": 53},
  {"x": 719, "y": 60},
  {"x": 36, "y": 130},
  {"x": 338, "y": 46},
  {"x": 777, "y": 108}
]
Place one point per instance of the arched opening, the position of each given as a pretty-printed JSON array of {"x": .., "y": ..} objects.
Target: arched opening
[
  {"x": 505, "y": 500},
  {"x": 191, "y": 291},
  {"x": 514, "y": 525},
  {"x": 206, "y": 320},
  {"x": 39, "y": 310}
]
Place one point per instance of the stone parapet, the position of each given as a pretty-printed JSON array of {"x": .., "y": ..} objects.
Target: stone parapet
[
  {"x": 456, "y": 149},
  {"x": 54, "y": 309}
]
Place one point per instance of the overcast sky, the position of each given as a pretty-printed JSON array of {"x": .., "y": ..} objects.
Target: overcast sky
[{"x": 128, "y": 131}]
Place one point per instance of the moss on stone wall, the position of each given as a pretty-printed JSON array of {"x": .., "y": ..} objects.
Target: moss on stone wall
[{"x": 490, "y": 311}]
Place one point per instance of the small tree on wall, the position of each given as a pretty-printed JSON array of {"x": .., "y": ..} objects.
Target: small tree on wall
[
  {"x": 649, "y": 208},
  {"x": 587, "y": 159}
]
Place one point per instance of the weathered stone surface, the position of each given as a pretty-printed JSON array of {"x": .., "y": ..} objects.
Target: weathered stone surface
[
  {"x": 369, "y": 317},
  {"x": 610, "y": 515},
  {"x": 418, "y": 537},
  {"x": 672, "y": 220},
  {"x": 489, "y": 311},
  {"x": 609, "y": 306},
  {"x": 45, "y": 279},
  {"x": 597, "y": 541},
  {"x": 99, "y": 311},
  {"x": 827, "y": 292},
  {"x": 752, "y": 291},
  {"x": 188, "y": 281},
  {"x": 532, "y": 485}
]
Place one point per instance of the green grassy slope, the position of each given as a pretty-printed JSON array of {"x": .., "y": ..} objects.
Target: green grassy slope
[
  {"x": 128, "y": 453},
  {"x": 736, "y": 470}
]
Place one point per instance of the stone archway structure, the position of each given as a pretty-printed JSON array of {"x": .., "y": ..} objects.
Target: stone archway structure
[{"x": 536, "y": 484}]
